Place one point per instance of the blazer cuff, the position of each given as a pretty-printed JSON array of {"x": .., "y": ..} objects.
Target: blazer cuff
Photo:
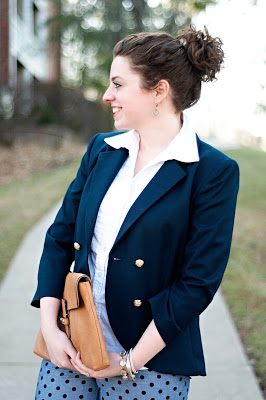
[
  {"x": 165, "y": 325},
  {"x": 47, "y": 291}
]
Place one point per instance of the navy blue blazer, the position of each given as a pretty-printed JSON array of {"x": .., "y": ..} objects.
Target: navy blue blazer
[{"x": 180, "y": 226}]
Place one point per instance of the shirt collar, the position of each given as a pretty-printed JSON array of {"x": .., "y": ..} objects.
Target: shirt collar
[{"x": 182, "y": 148}]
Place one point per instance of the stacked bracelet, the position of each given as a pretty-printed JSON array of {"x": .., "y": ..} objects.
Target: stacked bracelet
[
  {"x": 131, "y": 362},
  {"x": 128, "y": 370},
  {"x": 123, "y": 363}
]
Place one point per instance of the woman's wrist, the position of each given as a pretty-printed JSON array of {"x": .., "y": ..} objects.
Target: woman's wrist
[
  {"x": 49, "y": 328},
  {"x": 150, "y": 344},
  {"x": 128, "y": 370},
  {"x": 49, "y": 314},
  {"x": 135, "y": 360}
]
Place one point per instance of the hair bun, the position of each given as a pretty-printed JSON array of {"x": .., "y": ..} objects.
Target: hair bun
[{"x": 203, "y": 51}]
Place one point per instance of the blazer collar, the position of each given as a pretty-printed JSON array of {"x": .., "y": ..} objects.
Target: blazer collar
[
  {"x": 105, "y": 170},
  {"x": 182, "y": 148},
  {"x": 168, "y": 176}
]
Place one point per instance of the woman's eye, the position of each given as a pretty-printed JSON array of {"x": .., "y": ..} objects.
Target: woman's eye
[{"x": 117, "y": 85}]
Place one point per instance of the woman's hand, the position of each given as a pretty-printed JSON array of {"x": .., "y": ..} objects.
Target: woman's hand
[
  {"x": 147, "y": 347},
  {"x": 60, "y": 348},
  {"x": 113, "y": 369}
]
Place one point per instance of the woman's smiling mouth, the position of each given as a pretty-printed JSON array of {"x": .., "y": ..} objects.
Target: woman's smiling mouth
[{"x": 116, "y": 110}]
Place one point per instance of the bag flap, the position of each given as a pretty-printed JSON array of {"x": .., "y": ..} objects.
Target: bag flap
[{"x": 71, "y": 292}]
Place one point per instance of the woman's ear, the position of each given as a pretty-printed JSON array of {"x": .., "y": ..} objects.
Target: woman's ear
[{"x": 161, "y": 91}]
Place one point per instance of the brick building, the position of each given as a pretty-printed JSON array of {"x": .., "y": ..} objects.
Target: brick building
[{"x": 26, "y": 56}]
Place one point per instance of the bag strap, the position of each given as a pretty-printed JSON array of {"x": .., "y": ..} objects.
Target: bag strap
[
  {"x": 65, "y": 318},
  {"x": 71, "y": 293}
]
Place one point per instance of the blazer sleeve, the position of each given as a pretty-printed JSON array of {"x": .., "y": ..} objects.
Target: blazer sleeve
[
  {"x": 206, "y": 252},
  {"x": 58, "y": 251}
]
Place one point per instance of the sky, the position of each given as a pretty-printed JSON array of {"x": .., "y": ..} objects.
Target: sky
[{"x": 229, "y": 106}]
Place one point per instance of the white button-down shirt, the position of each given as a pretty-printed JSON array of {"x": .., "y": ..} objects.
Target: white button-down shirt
[{"x": 116, "y": 203}]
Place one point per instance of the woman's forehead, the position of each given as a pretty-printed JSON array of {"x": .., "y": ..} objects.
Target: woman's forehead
[{"x": 121, "y": 68}]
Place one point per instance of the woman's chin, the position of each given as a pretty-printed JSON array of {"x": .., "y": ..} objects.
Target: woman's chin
[{"x": 119, "y": 126}]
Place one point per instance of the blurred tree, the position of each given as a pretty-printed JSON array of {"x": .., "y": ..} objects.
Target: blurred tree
[{"x": 91, "y": 28}]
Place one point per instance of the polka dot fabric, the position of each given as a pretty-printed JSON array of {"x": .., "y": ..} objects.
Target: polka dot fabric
[{"x": 59, "y": 383}]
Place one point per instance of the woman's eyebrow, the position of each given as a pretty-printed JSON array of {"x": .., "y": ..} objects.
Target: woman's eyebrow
[{"x": 115, "y": 77}]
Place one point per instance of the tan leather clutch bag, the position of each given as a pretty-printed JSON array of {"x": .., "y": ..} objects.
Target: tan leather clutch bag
[{"x": 79, "y": 320}]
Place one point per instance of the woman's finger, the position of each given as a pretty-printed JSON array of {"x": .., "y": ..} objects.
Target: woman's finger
[
  {"x": 70, "y": 350},
  {"x": 81, "y": 370},
  {"x": 79, "y": 364},
  {"x": 66, "y": 363},
  {"x": 75, "y": 366}
]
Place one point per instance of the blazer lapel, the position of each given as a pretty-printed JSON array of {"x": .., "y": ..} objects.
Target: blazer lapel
[
  {"x": 167, "y": 176},
  {"x": 104, "y": 172}
]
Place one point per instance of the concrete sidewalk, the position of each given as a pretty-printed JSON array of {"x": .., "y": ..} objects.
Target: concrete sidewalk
[{"x": 230, "y": 377}]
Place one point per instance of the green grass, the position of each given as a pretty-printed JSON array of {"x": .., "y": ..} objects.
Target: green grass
[
  {"x": 23, "y": 202},
  {"x": 244, "y": 283}
]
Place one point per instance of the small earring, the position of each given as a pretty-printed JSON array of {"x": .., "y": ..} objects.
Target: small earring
[{"x": 156, "y": 111}]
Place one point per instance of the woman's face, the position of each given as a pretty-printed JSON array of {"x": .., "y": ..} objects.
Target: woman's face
[{"x": 132, "y": 106}]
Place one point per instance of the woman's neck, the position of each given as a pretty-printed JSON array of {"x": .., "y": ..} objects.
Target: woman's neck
[{"x": 155, "y": 137}]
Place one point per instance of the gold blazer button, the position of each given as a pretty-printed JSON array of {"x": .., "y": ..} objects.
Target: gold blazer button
[
  {"x": 139, "y": 263},
  {"x": 77, "y": 246},
  {"x": 137, "y": 303}
]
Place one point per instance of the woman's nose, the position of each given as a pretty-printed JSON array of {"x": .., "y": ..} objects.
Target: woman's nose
[{"x": 108, "y": 95}]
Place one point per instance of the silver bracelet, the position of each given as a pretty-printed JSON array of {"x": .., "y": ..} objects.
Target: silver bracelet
[
  {"x": 131, "y": 362},
  {"x": 131, "y": 376}
]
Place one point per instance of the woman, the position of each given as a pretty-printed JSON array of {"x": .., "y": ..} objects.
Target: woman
[{"x": 150, "y": 218}]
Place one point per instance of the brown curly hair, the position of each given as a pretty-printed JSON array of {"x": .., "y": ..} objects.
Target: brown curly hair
[{"x": 185, "y": 61}]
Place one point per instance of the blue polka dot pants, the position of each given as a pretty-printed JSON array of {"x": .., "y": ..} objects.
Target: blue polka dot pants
[{"x": 59, "y": 383}]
